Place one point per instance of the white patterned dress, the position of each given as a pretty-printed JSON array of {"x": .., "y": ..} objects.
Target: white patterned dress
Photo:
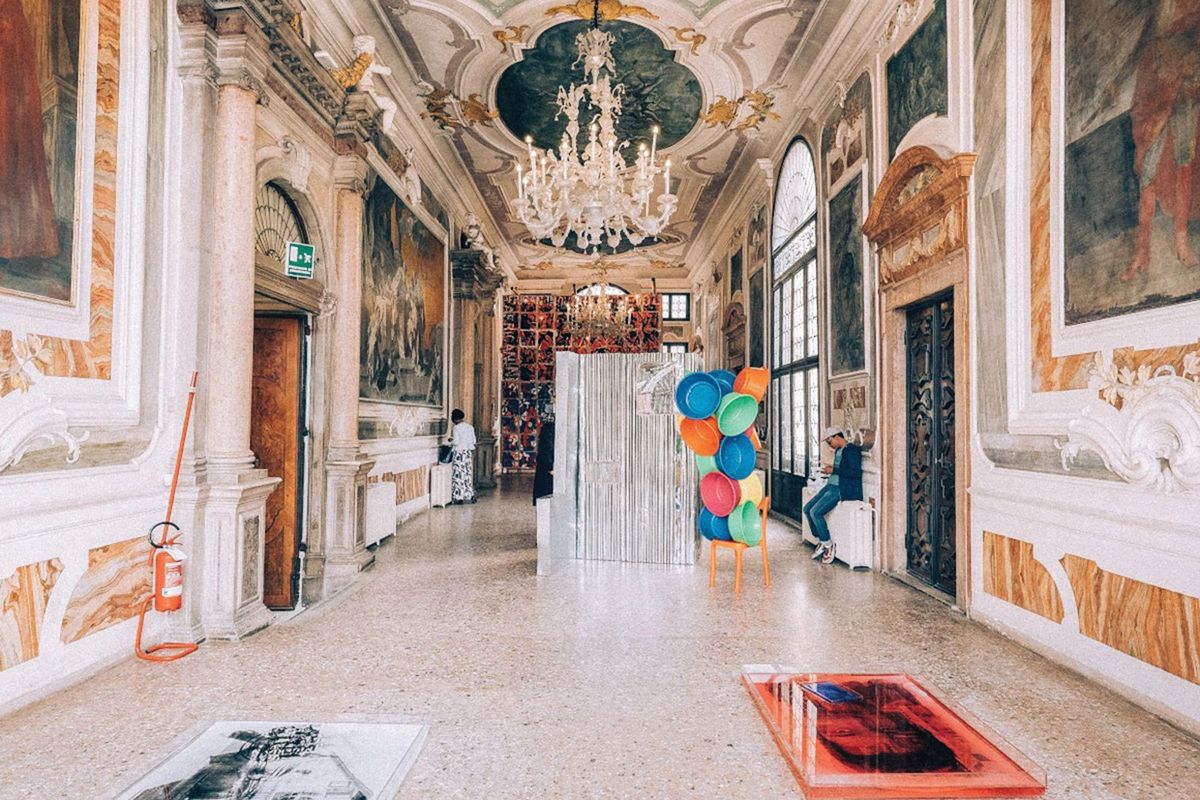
[{"x": 462, "y": 478}]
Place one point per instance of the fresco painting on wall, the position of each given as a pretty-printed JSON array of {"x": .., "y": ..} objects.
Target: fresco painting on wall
[
  {"x": 735, "y": 272},
  {"x": 918, "y": 78},
  {"x": 1131, "y": 180},
  {"x": 758, "y": 237},
  {"x": 757, "y": 323},
  {"x": 403, "y": 304},
  {"x": 38, "y": 98},
  {"x": 844, "y": 139},
  {"x": 846, "y": 279}
]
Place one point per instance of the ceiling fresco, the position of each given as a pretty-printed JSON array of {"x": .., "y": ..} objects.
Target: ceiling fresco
[
  {"x": 658, "y": 90},
  {"x": 718, "y": 78}
]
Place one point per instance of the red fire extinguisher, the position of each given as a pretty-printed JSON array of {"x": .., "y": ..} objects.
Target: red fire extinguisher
[
  {"x": 166, "y": 563},
  {"x": 168, "y": 571}
]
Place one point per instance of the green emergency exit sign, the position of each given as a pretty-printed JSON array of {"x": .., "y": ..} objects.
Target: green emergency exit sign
[{"x": 300, "y": 260}]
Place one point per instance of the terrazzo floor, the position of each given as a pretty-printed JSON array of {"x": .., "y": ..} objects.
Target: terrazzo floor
[{"x": 601, "y": 681}]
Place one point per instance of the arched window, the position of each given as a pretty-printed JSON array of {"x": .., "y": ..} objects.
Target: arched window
[
  {"x": 277, "y": 221},
  {"x": 795, "y": 395},
  {"x": 594, "y": 289}
]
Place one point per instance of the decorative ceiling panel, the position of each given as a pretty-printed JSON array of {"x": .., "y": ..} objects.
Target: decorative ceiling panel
[{"x": 714, "y": 74}]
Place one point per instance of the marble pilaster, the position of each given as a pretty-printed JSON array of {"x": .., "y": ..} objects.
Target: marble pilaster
[
  {"x": 343, "y": 550},
  {"x": 235, "y": 507}
]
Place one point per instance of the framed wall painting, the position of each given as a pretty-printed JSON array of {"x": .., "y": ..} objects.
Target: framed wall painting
[{"x": 403, "y": 332}]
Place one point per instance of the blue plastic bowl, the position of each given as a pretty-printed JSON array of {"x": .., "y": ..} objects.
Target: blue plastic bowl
[
  {"x": 697, "y": 395},
  {"x": 725, "y": 378},
  {"x": 735, "y": 457},
  {"x": 714, "y": 527}
]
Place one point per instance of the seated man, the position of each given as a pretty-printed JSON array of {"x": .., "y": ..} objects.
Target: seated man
[{"x": 845, "y": 483}]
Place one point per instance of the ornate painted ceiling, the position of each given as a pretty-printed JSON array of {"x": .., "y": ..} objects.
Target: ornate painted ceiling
[{"x": 715, "y": 74}]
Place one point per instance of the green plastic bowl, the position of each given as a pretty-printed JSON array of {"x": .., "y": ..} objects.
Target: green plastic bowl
[
  {"x": 745, "y": 525},
  {"x": 736, "y": 413},
  {"x": 706, "y": 464}
]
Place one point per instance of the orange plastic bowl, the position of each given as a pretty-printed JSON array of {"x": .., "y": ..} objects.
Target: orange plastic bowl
[
  {"x": 752, "y": 435},
  {"x": 701, "y": 435},
  {"x": 753, "y": 381}
]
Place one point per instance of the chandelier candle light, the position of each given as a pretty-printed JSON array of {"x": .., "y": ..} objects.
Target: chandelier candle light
[{"x": 592, "y": 192}]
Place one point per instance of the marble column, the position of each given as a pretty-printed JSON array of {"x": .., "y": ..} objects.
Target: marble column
[
  {"x": 343, "y": 553},
  {"x": 236, "y": 505}
]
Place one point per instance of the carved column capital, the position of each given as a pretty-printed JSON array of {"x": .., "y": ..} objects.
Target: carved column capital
[{"x": 350, "y": 173}]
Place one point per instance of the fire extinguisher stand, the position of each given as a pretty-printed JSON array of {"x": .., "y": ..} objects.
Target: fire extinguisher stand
[{"x": 164, "y": 552}]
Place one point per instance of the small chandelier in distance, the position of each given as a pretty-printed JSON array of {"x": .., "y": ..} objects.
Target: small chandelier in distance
[
  {"x": 592, "y": 192},
  {"x": 600, "y": 311}
]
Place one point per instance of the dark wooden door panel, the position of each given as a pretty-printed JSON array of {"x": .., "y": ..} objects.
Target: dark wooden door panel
[
  {"x": 930, "y": 538},
  {"x": 275, "y": 438}
]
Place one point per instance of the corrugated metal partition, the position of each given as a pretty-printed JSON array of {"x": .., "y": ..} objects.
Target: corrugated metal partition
[{"x": 635, "y": 483}]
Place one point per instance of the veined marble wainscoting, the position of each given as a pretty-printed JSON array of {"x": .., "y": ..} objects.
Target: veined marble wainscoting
[
  {"x": 116, "y": 582},
  {"x": 1011, "y": 573},
  {"x": 1150, "y": 623},
  {"x": 1106, "y": 580},
  {"x": 411, "y": 484},
  {"x": 24, "y": 595}
]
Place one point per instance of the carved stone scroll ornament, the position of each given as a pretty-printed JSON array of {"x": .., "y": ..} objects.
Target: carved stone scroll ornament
[
  {"x": 30, "y": 422},
  {"x": 1144, "y": 424}
]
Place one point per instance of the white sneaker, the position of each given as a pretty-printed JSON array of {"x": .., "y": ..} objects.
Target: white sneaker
[
  {"x": 819, "y": 550},
  {"x": 827, "y": 556}
]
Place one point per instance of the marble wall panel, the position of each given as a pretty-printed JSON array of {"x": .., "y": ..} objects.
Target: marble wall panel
[
  {"x": 116, "y": 582},
  {"x": 1011, "y": 573},
  {"x": 411, "y": 485},
  {"x": 23, "y": 598},
  {"x": 1150, "y": 623}
]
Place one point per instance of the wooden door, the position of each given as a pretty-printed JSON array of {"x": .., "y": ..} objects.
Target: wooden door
[
  {"x": 930, "y": 539},
  {"x": 276, "y": 436}
]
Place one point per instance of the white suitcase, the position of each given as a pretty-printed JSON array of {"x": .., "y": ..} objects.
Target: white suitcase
[
  {"x": 851, "y": 528},
  {"x": 440, "y": 477}
]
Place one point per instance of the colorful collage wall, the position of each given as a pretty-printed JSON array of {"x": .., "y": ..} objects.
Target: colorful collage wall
[{"x": 535, "y": 329}]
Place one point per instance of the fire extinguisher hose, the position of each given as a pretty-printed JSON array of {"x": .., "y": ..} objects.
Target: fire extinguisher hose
[{"x": 167, "y": 651}]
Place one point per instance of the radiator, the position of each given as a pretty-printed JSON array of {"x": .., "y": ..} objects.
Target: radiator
[
  {"x": 851, "y": 527},
  {"x": 440, "y": 476},
  {"x": 381, "y": 511}
]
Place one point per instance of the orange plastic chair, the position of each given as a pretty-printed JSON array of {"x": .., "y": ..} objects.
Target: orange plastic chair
[{"x": 738, "y": 548}]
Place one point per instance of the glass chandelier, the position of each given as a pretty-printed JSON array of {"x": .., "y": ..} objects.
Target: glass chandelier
[
  {"x": 600, "y": 311},
  {"x": 591, "y": 191}
]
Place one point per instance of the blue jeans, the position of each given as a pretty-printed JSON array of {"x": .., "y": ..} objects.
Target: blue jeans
[{"x": 816, "y": 509}]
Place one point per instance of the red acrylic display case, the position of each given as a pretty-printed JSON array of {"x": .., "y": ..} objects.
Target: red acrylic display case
[{"x": 885, "y": 736}]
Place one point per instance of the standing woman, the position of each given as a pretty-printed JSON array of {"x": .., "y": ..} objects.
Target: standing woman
[{"x": 462, "y": 439}]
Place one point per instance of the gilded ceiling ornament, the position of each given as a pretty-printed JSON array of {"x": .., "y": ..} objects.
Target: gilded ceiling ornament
[
  {"x": 509, "y": 35},
  {"x": 439, "y": 107},
  {"x": 609, "y": 10},
  {"x": 450, "y": 112},
  {"x": 760, "y": 104},
  {"x": 722, "y": 111},
  {"x": 689, "y": 36},
  {"x": 476, "y": 111},
  {"x": 725, "y": 112}
]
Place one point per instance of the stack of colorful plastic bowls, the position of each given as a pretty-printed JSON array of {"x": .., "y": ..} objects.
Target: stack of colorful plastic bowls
[{"x": 718, "y": 411}]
